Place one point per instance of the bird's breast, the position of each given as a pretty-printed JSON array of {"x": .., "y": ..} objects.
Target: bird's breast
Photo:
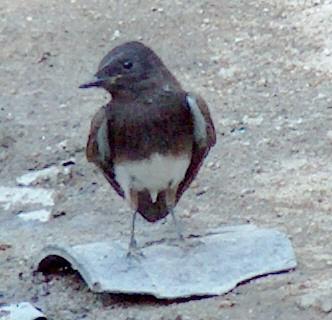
[{"x": 157, "y": 173}]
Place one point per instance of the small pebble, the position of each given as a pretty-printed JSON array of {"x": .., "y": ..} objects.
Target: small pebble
[
  {"x": 329, "y": 135},
  {"x": 116, "y": 35},
  {"x": 38, "y": 215},
  {"x": 63, "y": 145},
  {"x": 227, "y": 304}
]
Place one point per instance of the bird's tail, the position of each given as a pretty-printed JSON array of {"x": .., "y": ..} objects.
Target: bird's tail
[{"x": 152, "y": 211}]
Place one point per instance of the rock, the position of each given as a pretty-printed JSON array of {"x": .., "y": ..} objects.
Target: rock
[
  {"x": 54, "y": 174},
  {"x": 20, "y": 311},
  {"x": 321, "y": 300},
  {"x": 221, "y": 259},
  {"x": 325, "y": 303},
  {"x": 227, "y": 73},
  {"x": 62, "y": 145},
  {"x": 4, "y": 246},
  {"x": 253, "y": 121},
  {"x": 329, "y": 135},
  {"x": 68, "y": 162},
  {"x": 116, "y": 35},
  {"x": 226, "y": 304},
  {"x": 6, "y": 141},
  {"x": 306, "y": 301},
  {"x": 42, "y": 215},
  {"x": 24, "y": 195},
  {"x": 34, "y": 177}
]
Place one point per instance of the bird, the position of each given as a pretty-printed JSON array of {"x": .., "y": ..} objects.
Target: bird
[{"x": 151, "y": 138}]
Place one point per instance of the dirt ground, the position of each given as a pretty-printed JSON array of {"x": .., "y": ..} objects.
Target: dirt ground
[{"x": 265, "y": 69}]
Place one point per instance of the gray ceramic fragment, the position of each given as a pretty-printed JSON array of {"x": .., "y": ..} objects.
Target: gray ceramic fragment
[
  {"x": 20, "y": 311},
  {"x": 206, "y": 265}
]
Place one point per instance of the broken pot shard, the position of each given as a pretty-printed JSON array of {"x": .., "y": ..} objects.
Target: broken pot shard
[
  {"x": 20, "y": 311},
  {"x": 208, "y": 265}
]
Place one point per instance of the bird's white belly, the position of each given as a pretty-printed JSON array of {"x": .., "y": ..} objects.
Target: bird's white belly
[{"x": 154, "y": 174}]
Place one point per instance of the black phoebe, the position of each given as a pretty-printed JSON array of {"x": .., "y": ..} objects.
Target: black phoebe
[{"x": 151, "y": 139}]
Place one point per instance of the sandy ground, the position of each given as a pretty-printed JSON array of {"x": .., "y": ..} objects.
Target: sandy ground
[{"x": 264, "y": 67}]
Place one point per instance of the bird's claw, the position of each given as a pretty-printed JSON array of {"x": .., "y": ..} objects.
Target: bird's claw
[{"x": 134, "y": 251}]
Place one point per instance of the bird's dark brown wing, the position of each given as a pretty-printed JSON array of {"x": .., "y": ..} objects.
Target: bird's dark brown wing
[
  {"x": 98, "y": 149},
  {"x": 203, "y": 140}
]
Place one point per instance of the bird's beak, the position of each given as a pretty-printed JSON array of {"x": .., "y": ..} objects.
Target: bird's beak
[
  {"x": 99, "y": 82},
  {"x": 96, "y": 82}
]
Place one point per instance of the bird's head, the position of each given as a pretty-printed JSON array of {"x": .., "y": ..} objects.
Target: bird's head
[{"x": 130, "y": 67}]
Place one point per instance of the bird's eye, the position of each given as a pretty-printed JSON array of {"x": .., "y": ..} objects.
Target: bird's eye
[{"x": 127, "y": 64}]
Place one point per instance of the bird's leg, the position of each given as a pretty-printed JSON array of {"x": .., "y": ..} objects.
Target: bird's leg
[
  {"x": 132, "y": 249},
  {"x": 133, "y": 243},
  {"x": 170, "y": 201},
  {"x": 176, "y": 224}
]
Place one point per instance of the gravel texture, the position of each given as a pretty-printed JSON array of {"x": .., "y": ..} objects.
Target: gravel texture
[{"x": 265, "y": 69}]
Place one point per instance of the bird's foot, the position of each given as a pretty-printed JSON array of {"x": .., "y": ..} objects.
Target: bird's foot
[
  {"x": 180, "y": 237},
  {"x": 133, "y": 251},
  {"x": 179, "y": 241},
  {"x": 136, "y": 255}
]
